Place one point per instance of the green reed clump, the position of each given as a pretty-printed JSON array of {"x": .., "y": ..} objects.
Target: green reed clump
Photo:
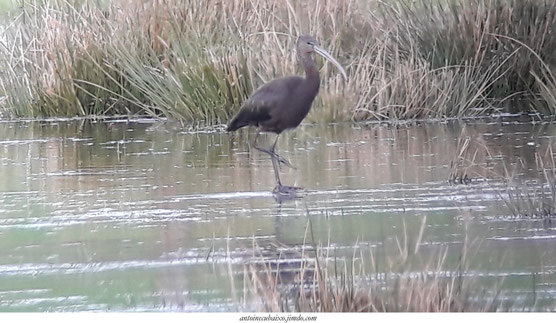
[
  {"x": 494, "y": 47},
  {"x": 182, "y": 75},
  {"x": 94, "y": 61},
  {"x": 199, "y": 60},
  {"x": 54, "y": 63},
  {"x": 485, "y": 32}
]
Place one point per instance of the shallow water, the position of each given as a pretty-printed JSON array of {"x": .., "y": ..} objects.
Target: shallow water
[{"x": 142, "y": 215}]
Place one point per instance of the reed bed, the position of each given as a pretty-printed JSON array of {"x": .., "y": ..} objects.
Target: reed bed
[{"x": 196, "y": 61}]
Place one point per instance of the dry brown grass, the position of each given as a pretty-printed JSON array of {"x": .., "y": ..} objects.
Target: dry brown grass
[
  {"x": 198, "y": 60},
  {"x": 321, "y": 281},
  {"x": 533, "y": 198}
]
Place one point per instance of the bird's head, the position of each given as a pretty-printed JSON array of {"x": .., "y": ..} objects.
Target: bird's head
[{"x": 306, "y": 45}]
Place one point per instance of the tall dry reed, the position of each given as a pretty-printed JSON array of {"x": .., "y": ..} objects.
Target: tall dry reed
[
  {"x": 196, "y": 61},
  {"x": 407, "y": 279}
]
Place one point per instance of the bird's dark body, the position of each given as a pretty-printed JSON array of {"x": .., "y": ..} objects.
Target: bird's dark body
[
  {"x": 283, "y": 103},
  {"x": 278, "y": 105}
]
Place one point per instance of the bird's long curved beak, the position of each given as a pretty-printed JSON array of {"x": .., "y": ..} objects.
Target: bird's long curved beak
[{"x": 329, "y": 57}]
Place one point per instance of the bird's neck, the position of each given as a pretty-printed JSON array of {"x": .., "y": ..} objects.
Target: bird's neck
[{"x": 311, "y": 72}]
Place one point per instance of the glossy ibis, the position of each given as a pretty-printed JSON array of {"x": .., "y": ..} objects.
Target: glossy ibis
[{"x": 283, "y": 103}]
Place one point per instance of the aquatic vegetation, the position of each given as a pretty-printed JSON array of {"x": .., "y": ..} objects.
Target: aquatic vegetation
[
  {"x": 536, "y": 199},
  {"x": 529, "y": 196},
  {"x": 460, "y": 166},
  {"x": 324, "y": 282},
  {"x": 469, "y": 163},
  {"x": 197, "y": 61}
]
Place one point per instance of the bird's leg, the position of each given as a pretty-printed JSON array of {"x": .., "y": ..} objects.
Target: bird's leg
[
  {"x": 255, "y": 140},
  {"x": 273, "y": 158},
  {"x": 259, "y": 148},
  {"x": 280, "y": 158},
  {"x": 281, "y": 192},
  {"x": 276, "y": 167},
  {"x": 271, "y": 152}
]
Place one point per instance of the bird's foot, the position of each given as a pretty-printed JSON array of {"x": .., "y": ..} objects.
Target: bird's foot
[
  {"x": 286, "y": 193},
  {"x": 286, "y": 190}
]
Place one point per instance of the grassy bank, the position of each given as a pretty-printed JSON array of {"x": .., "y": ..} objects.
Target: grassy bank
[{"x": 197, "y": 61}]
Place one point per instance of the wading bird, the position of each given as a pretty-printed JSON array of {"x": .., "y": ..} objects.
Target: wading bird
[{"x": 283, "y": 103}]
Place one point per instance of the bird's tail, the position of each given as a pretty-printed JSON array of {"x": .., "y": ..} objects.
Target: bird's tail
[{"x": 235, "y": 124}]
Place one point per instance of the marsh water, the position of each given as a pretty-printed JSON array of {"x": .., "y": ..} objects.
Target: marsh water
[{"x": 141, "y": 215}]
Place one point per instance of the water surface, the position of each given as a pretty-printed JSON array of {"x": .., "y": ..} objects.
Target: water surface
[{"x": 143, "y": 215}]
